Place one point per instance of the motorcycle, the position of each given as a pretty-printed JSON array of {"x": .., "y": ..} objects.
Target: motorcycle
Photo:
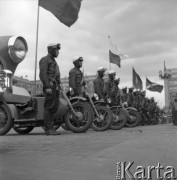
[{"x": 22, "y": 112}]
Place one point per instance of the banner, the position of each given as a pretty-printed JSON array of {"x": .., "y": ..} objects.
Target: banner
[{"x": 66, "y": 11}]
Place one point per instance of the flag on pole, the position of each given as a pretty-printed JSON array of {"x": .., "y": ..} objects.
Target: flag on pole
[
  {"x": 114, "y": 56},
  {"x": 137, "y": 82},
  {"x": 152, "y": 86},
  {"x": 66, "y": 11}
]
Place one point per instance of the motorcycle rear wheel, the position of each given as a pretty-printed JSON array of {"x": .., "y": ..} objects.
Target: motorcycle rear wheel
[
  {"x": 99, "y": 124},
  {"x": 81, "y": 123}
]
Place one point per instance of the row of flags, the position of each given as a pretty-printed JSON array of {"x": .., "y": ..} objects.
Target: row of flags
[
  {"x": 115, "y": 57},
  {"x": 66, "y": 11},
  {"x": 151, "y": 86}
]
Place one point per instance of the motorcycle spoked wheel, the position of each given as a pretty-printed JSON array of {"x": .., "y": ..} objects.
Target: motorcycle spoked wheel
[
  {"x": 81, "y": 123},
  {"x": 104, "y": 122},
  {"x": 23, "y": 130},
  {"x": 6, "y": 121},
  {"x": 119, "y": 118},
  {"x": 133, "y": 118}
]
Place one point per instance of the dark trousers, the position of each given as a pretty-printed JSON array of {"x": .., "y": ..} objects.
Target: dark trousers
[{"x": 51, "y": 105}]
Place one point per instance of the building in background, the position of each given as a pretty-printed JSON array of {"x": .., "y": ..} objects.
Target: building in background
[
  {"x": 170, "y": 85},
  {"x": 29, "y": 85}
]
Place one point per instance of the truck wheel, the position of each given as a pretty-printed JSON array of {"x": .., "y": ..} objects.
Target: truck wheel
[
  {"x": 23, "y": 130},
  {"x": 6, "y": 121}
]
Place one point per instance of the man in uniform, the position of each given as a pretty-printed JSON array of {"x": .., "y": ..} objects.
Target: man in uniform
[
  {"x": 76, "y": 76},
  {"x": 124, "y": 96},
  {"x": 117, "y": 90},
  {"x": 99, "y": 82},
  {"x": 109, "y": 86},
  {"x": 50, "y": 77},
  {"x": 130, "y": 97}
]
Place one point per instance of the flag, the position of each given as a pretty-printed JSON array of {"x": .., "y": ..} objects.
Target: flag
[
  {"x": 151, "y": 86},
  {"x": 66, "y": 11},
  {"x": 114, "y": 56},
  {"x": 137, "y": 82}
]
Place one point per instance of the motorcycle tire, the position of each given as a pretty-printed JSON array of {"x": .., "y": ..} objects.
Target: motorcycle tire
[
  {"x": 133, "y": 118},
  {"x": 102, "y": 124},
  {"x": 23, "y": 130},
  {"x": 6, "y": 121},
  {"x": 119, "y": 118},
  {"x": 75, "y": 124}
]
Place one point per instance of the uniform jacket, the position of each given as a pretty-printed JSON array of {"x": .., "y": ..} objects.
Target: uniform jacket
[
  {"x": 109, "y": 88},
  {"x": 76, "y": 80},
  {"x": 49, "y": 71},
  {"x": 99, "y": 86}
]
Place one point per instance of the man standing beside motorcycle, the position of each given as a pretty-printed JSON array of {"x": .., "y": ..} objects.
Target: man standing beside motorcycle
[
  {"x": 76, "y": 81},
  {"x": 130, "y": 97},
  {"x": 99, "y": 82},
  {"x": 118, "y": 91},
  {"x": 50, "y": 77},
  {"x": 109, "y": 87}
]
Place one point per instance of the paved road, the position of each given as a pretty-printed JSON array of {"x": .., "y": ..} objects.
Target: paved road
[{"x": 88, "y": 156}]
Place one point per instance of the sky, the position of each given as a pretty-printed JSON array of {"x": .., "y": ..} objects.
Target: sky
[{"x": 145, "y": 30}]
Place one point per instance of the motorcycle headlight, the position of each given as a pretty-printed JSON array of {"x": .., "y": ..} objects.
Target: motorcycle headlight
[
  {"x": 96, "y": 97},
  {"x": 71, "y": 91},
  {"x": 109, "y": 100},
  {"x": 125, "y": 104}
]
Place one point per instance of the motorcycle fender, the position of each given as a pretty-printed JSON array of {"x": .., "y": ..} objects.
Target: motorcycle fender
[
  {"x": 77, "y": 98},
  {"x": 13, "y": 110},
  {"x": 116, "y": 107},
  {"x": 131, "y": 108}
]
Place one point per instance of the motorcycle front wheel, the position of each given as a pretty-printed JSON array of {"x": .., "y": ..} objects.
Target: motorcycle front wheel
[
  {"x": 83, "y": 119},
  {"x": 104, "y": 121},
  {"x": 133, "y": 118},
  {"x": 119, "y": 118}
]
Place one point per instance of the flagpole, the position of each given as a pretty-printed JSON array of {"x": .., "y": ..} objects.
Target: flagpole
[
  {"x": 109, "y": 65},
  {"x": 108, "y": 57},
  {"x": 37, "y": 31}
]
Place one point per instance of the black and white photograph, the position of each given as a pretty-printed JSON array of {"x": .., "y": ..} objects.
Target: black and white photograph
[{"x": 88, "y": 89}]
